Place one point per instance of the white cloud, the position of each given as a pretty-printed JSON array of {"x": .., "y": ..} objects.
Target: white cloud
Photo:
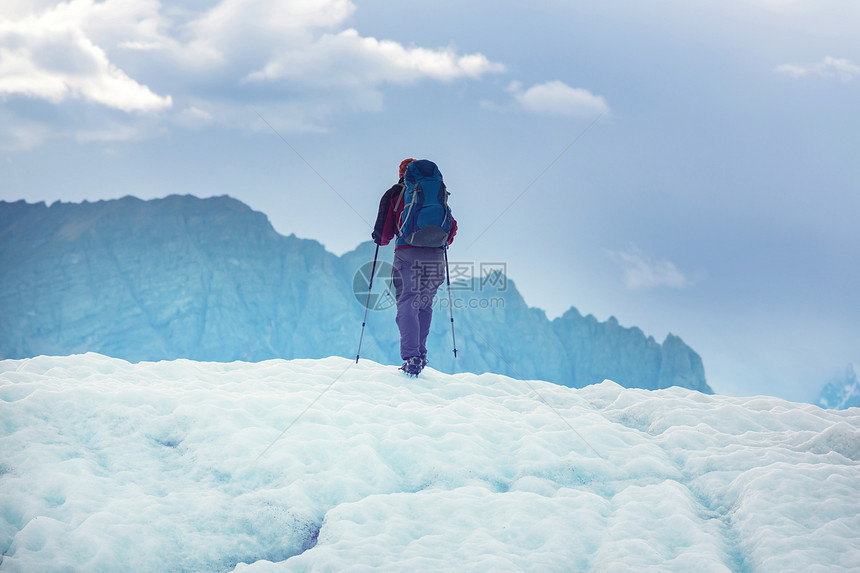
[
  {"x": 644, "y": 271},
  {"x": 558, "y": 98},
  {"x": 141, "y": 46},
  {"x": 349, "y": 59},
  {"x": 295, "y": 58},
  {"x": 301, "y": 49},
  {"x": 48, "y": 56},
  {"x": 194, "y": 117},
  {"x": 829, "y": 67},
  {"x": 197, "y": 114},
  {"x": 240, "y": 26}
]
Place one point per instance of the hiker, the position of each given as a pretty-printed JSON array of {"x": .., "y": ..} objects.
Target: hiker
[{"x": 419, "y": 251}]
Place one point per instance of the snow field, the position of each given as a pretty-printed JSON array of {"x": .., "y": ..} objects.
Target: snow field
[{"x": 186, "y": 466}]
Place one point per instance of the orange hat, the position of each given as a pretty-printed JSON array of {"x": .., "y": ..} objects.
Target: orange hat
[{"x": 403, "y": 165}]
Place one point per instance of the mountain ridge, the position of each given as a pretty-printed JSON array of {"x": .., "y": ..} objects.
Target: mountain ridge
[{"x": 211, "y": 279}]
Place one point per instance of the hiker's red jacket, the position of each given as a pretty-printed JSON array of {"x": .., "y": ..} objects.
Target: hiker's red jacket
[{"x": 389, "y": 215}]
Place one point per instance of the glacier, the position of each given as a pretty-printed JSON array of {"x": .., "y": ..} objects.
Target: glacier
[
  {"x": 328, "y": 465},
  {"x": 841, "y": 392}
]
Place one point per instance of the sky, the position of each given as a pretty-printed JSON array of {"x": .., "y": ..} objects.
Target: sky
[{"x": 685, "y": 166}]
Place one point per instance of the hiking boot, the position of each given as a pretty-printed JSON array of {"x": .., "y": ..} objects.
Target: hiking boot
[{"x": 413, "y": 366}]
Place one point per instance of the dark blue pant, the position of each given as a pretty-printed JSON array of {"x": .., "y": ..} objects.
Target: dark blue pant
[{"x": 417, "y": 274}]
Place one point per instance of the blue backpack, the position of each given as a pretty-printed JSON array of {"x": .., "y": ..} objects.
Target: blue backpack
[{"x": 426, "y": 218}]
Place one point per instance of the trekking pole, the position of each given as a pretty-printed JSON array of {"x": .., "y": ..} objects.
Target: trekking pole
[
  {"x": 367, "y": 302},
  {"x": 450, "y": 302}
]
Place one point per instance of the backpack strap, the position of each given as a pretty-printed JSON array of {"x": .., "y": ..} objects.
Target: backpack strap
[
  {"x": 399, "y": 196},
  {"x": 399, "y": 224}
]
